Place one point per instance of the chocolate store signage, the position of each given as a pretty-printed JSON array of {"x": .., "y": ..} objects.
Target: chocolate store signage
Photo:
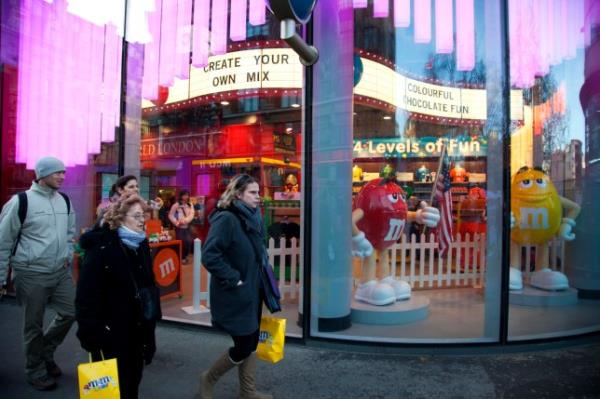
[{"x": 463, "y": 146}]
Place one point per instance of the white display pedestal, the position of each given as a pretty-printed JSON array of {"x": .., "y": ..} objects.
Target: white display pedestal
[
  {"x": 530, "y": 296},
  {"x": 401, "y": 312}
]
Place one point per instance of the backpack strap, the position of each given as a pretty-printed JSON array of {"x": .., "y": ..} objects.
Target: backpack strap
[
  {"x": 66, "y": 198},
  {"x": 22, "y": 212},
  {"x": 22, "y": 207}
]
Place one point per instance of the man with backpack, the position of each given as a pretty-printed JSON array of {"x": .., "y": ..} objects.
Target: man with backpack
[{"x": 36, "y": 240}]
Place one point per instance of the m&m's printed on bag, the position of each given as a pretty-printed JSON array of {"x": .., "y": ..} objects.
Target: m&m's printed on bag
[{"x": 98, "y": 384}]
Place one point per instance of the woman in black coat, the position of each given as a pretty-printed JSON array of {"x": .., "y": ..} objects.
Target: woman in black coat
[
  {"x": 109, "y": 312},
  {"x": 233, "y": 253}
]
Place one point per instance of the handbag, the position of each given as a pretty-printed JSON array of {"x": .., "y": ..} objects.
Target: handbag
[
  {"x": 271, "y": 339},
  {"x": 99, "y": 380},
  {"x": 148, "y": 298},
  {"x": 270, "y": 287}
]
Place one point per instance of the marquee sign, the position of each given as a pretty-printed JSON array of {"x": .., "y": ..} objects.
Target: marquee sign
[{"x": 280, "y": 68}]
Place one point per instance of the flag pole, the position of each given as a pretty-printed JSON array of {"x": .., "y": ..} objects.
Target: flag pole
[{"x": 437, "y": 176}]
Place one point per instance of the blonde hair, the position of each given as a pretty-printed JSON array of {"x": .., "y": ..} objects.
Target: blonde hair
[
  {"x": 236, "y": 187},
  {"x": 116, "y": 212}
]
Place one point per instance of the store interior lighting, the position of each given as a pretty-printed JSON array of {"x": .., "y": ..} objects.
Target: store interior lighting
[
  {"x": 295, "y": 105},
  {"x": 224, "y": 103}
]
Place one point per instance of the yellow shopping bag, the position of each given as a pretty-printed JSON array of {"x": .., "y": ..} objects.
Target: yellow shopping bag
[
  {"x": 99, "y": 380},
  {"x": 271, "y": 339}
]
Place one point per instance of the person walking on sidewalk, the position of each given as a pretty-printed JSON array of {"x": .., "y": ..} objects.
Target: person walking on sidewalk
[
  {"x": 181, "y": 215},
  {"x": 235, "y": 295},
  {"x": 36, "y": 240},
  {"x": 127, "y": 184},
  {"x": 114, "y": 319}
]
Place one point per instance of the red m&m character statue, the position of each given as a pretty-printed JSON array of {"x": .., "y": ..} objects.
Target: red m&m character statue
[{"x": 378, "y": 218}]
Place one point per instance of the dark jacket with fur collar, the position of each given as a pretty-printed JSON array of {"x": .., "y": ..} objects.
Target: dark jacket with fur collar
[
  {"x": 229, "y": 256},
  {"x": 107, "y": 309}
]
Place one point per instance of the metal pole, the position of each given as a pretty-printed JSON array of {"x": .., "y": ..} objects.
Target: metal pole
[
  {"x": 123, "y": 101},
  {"x": 308, "y": 54}
]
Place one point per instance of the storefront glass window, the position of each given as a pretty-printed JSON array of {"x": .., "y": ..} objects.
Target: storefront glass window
[
  {"x": 555, "y": 258},
  {"x": 237, "y": 111},
  {"x": 421, "y": 177}
]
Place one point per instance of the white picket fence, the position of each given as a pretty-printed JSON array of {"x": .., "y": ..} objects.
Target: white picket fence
[
  {"x": 289, "y": 289},
  {"x": 414, "y": 261},
  {"x": 420, "y": 266}
]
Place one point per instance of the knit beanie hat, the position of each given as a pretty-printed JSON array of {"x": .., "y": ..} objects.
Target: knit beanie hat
[{"x": 47, "y": 165}]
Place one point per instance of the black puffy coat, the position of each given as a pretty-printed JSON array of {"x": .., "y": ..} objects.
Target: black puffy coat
[
  {"x": 107, "y": 308},
  {"x": 229, "y": 256}
]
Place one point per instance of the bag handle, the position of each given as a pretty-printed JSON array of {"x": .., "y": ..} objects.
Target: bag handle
[{"x": 101, "y": 355}]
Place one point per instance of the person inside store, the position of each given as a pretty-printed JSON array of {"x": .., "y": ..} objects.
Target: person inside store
[
  {"x": 117, "y": 302},
  {"x": 127, "y": 184},
  {"x": 181, "y": 215},
  {"x": 232, "y": 255},
  {"x": 163, "y": 212}
]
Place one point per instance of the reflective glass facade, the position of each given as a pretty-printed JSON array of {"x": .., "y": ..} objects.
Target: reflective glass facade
[{"x": 431, "y": 179}]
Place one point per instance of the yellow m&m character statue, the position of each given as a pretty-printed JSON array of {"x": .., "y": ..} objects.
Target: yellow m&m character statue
[{"x": 536, "y": 218}]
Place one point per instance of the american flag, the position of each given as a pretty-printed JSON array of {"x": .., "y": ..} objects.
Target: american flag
[{"x": 443, "y": 198}]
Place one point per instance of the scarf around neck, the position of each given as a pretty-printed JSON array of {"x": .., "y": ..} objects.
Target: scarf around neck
[
  {"x": 252, "y": 216},
  {"x": 131, "y": 238}
]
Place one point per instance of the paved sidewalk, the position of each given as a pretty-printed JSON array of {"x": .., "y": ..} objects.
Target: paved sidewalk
[{"x": 568, "y": 372}]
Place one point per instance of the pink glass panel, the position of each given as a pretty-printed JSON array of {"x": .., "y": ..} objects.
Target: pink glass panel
[
  {"x": 422, "y": 21},
  {"x": 444, "y": 27},
  {"x": 63, "y": 84},
  {"x": 218, "y": 27},
  {"x": 184, "y": 28},
  {"x": 258, "y": 12},
  {"x": 563, "y": 38},
  {"x": 151, "y": 53},
  {"x": 168, "y": 43},
  {"x": 360, "y": 3},
  {"x": 200, "y": 33},
  {"x": 237, "y": 24},
  {"x": 381, "y": 8},
  {"x": 544, "y": 27},
  {"x": 465, "y": 35},
  {"x": 401, "y": 13}
]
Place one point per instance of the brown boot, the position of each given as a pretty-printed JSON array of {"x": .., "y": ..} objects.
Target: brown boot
[
  {"x": 209, "y": 378},
  {"x": 247, "y": 369}
]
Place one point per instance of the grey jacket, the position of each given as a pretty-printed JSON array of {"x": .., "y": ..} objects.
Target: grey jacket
[{"x": 46, "y": 242}]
